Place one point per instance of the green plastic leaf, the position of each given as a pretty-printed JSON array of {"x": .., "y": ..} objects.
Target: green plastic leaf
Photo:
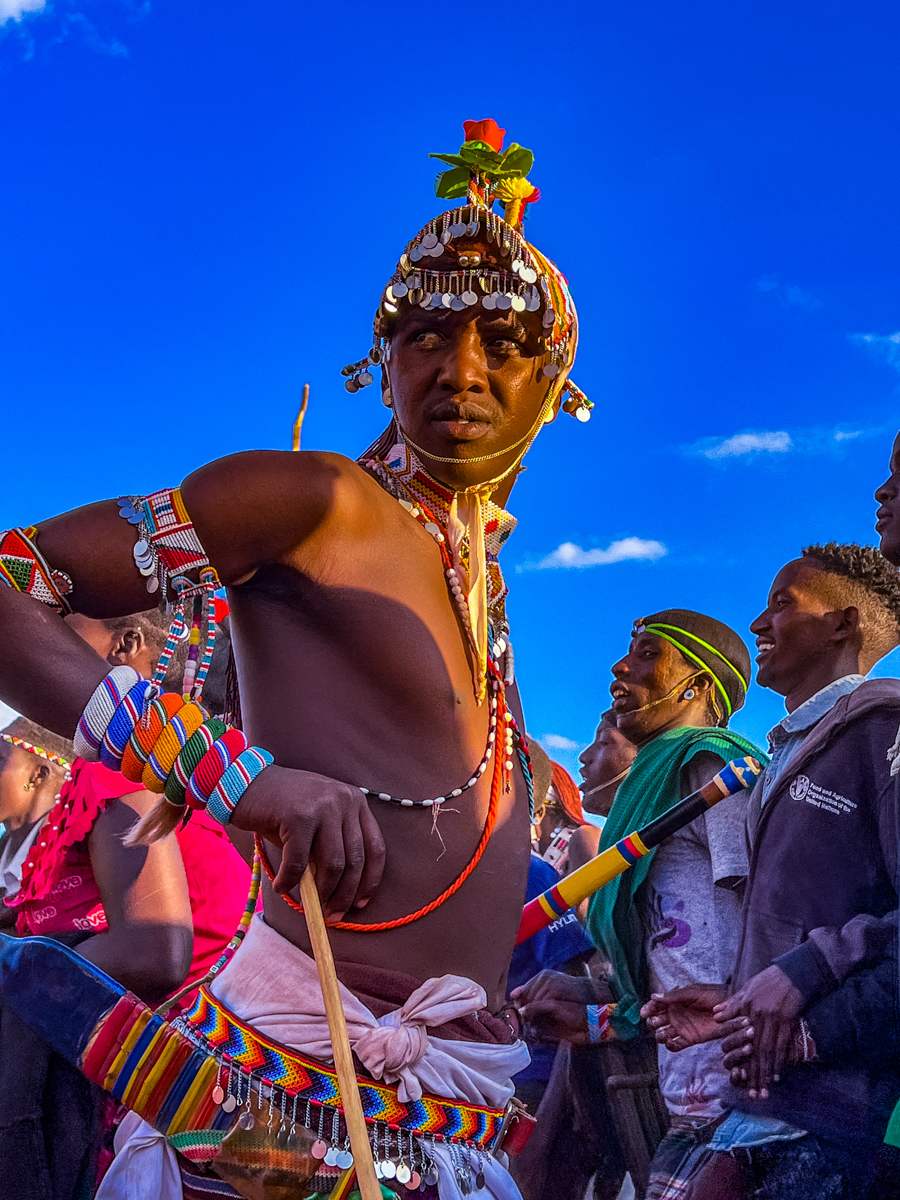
[
  {"x": 454, "y": 160},
  {"x": 450, "y": 185},
  {"x": 517, "y": 161}
]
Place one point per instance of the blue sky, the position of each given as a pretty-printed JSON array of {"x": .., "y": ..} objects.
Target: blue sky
[{"x": 201, "y": 204}]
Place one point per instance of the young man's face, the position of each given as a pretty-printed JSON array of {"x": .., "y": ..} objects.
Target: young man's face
[
  {"x": 650, "y": 670},
  {"x": 608, "y": 755},
  {"x": 888, "y": 497},
  {"x": 793, "y": 631},
  {"x": 467, "y": 383}
]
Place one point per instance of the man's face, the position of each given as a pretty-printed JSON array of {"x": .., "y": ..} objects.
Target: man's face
[
  {"x": 608, "y": 755},
  {"x": 648, "y": 672},
  {"x": 888, "y": 497},
  {"x": 793, "y": 631},
  {"x": 467, "y": 383}
]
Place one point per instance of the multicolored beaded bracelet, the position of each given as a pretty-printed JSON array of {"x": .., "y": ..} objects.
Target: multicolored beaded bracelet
[
  {"x": 171, "y": 741},
  {"x": 193, "y": 750},
  {"x": 213, "y": 765},
  {"x": 599, "y": 1029},
  {"x": 124, "y": 720},
  {"x": 170, "y": 745},
  {"x": 235, "y": 781},
  {"x": 100, "y": 710}
]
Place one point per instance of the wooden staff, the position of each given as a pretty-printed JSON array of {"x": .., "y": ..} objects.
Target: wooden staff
[
  {"x": 363, "y": 1162},
  {"x": 298, "y": 424},
  {"x": 572, "y": 889}
]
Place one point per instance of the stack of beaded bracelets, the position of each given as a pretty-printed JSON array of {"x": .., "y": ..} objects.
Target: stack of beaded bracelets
[{"x": 169, "y": 745}]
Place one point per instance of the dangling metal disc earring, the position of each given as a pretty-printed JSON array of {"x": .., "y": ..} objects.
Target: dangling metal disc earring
[{"x": 387, "y": 398}]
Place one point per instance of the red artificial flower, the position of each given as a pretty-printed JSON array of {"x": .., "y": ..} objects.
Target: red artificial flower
[{"x": 487, "y": 131}]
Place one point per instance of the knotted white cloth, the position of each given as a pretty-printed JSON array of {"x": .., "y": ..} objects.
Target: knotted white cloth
[{"x": 274, "y": 986}]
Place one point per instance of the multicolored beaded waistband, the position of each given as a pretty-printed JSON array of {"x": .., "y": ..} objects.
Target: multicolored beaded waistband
[{"x": 244, "y": 1054}]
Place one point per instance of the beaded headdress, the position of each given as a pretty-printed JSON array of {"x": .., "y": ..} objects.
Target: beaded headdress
[{"x": 447, "y": 266}]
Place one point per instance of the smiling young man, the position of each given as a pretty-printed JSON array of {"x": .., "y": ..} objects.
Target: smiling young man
[
  {"x": 673, "y": 919},
  {"x": 371, "y": 648},
  {"x": 823, "y": 827}
]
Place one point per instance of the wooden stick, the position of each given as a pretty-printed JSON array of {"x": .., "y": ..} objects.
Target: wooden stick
[
  {"x": 298, "y": 424},
  {"x": 340, "y": 1040}
]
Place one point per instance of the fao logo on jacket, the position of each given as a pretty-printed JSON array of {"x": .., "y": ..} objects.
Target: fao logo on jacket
[{"x": 799, "y": 788}]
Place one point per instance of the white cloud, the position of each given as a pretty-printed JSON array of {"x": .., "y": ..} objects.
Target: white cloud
[
  {"x": 14, "y": 10},
  {"x": 847, "y": 435},
  {"x": 886, "y": 345},
  {"x": 774, "y": 442},
  {"x": 570, "y": 555},
  {"x": 555, "y": 741}
]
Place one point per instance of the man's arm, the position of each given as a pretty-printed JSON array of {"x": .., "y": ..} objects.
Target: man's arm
[{"x": 248, "y": 510}]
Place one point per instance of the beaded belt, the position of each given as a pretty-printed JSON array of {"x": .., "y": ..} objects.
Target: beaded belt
[{"x": 245, "y": 1057}]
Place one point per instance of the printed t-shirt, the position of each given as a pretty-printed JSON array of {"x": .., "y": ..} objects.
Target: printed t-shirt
[{"x": 691, "y": 926}]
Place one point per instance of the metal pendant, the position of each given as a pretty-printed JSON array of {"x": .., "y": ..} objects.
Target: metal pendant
[
  {"x": 319, "y": 1149},
  {"x": 246, "y": 1120}
]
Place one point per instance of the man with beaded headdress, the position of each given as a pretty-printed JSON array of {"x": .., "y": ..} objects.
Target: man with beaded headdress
[{"x": 376, "y": 675}]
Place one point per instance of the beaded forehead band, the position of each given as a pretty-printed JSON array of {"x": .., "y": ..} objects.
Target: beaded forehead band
[
  {"x": 471, "y": 256},
  {"x": 37, "y": 750}
]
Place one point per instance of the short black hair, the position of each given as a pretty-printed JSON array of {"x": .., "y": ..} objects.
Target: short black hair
[
  {"x": 872, "y": 585},
  {"x": 155, "y": 624}
]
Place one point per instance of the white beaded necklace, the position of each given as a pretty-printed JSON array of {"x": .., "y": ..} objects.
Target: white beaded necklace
[{"x": 499, "y": 646}]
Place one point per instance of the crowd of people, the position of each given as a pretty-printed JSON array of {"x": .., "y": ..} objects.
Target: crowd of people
[{"x": 718, "y": 1022}]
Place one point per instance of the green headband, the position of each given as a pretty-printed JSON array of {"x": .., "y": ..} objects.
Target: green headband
[{"x": 666, "y": 631}]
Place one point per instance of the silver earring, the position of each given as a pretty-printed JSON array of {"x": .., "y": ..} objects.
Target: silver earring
[
  {"x": 387, "y": 398},
  {"x": 689, "y": 694}
]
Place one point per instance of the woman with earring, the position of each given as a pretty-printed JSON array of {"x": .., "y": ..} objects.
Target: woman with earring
[
  {"x": 673, "y": 919},
  {"x": 31, "y": 775}
]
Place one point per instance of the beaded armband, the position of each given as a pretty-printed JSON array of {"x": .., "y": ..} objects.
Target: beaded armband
[
  {"x": 170, "y": 746},
  {"x": 170, "y": 557},
  {"x": 23, "y": 568}
]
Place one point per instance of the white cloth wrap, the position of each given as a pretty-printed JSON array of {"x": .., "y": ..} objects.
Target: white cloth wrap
[{"x": 273, "y": 986}]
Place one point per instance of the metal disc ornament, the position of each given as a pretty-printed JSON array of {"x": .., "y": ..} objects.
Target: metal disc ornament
[
  {"x": 404, "y": 1174},
  {"x": 388, "y": 1169},
  {"x": 428, "y": 241},
  {"x": 246, "y": 1120},
  {"x": 319, "y": 1149},
  {"x": 218, "y": 1094},
  {"x": 344, "y": 1160},
  {"x": 504, "y": 301}
]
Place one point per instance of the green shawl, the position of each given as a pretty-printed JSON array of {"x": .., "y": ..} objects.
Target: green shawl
[{"x": 652, "y": 786}]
